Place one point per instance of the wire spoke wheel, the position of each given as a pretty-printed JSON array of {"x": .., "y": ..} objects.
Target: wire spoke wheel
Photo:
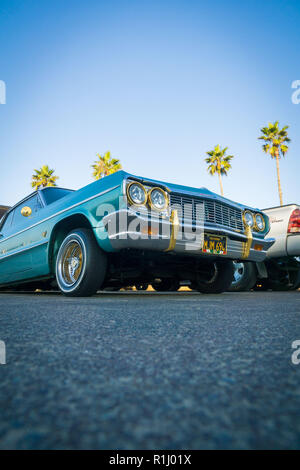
[
  {"x": 81, "y": 265},
  {"x": 72, "y": 263}
]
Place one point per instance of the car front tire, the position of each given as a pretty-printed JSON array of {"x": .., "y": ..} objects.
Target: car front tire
[
  {"x": 218, "y": 280},
  {"x": 80, "y": 264},
  {"x": 244, "y": 277}
]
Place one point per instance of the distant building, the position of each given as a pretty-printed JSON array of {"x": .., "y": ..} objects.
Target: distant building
[{"x": 3, "y": 209}]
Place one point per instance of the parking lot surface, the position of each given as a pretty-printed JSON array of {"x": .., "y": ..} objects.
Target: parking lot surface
[{"x": 143, "y": 370}]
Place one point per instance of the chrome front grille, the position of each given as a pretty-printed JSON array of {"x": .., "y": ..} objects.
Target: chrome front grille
[{"x": 214, "y": 212}]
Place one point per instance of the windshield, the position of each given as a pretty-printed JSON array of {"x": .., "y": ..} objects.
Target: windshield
[{"x": 53, "y": 194}]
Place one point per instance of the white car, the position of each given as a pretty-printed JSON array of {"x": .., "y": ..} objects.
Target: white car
[{"x": 281, "y": 270}]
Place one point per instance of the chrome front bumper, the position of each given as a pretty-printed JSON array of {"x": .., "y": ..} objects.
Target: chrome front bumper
[{"x": 169, "y": 234}]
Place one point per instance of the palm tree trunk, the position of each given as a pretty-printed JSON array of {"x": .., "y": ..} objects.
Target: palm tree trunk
[
  {"x": 221, "y": 184},
  {"x": 278, "y": 180}
]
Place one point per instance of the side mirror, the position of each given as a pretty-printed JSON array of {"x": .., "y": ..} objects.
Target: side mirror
[
  {"x": 1, "y": 235},
  {"x": 26, "y": 211}
]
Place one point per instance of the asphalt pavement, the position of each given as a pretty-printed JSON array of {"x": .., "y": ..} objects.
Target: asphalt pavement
[{"x": 150, "y": 371}]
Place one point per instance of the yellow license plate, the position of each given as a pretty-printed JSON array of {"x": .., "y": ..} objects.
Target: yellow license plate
[{"x": 214, "y": 244}]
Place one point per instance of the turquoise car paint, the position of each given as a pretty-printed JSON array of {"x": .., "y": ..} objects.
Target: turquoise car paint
[{"x": 27, "y": 248}]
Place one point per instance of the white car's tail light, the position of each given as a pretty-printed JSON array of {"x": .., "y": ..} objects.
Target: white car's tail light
[{"x": 294, "y": 222}]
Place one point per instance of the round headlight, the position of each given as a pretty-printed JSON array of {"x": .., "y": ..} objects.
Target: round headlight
[
  {"x": 260, "y": 223},
  {"x": 136, "y": 193},
  {"x": 249, "y": 218},
  {"x": 158, "y": 199}
]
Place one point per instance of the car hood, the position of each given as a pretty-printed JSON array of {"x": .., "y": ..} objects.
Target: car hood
[{"x": 196, "y": 192}]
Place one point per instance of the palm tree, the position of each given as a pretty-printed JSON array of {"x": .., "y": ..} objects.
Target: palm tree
[
  {"x": 218, "y": 163},
  {"x": 275, "y": 144},
  {"x": 105, "y": 165},
  {"x": 43, "y": 177}
]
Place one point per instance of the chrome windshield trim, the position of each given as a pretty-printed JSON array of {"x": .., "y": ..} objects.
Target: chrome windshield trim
[{"x": 42, "y": 198}]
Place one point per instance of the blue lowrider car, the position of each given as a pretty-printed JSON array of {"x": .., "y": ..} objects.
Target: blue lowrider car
[{"x": 124, "y": 230}]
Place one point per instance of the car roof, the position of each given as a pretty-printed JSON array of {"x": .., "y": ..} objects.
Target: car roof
[
  {"x": 55, "y": 187},
  {"x": 280, "y": 207}
]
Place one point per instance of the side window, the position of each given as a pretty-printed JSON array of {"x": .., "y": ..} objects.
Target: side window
[
  {"x": 6, "y": 227},
  {"x": 34, "y": 204}
]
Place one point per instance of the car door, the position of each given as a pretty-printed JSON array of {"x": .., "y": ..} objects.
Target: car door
[{"x": 17, "y": 240}]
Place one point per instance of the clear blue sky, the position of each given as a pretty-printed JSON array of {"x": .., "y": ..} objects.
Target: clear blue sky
[{"x": 158, "y": 83}]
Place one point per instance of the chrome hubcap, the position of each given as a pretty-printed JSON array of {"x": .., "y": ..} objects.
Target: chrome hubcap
[
  {"x": 71, "y": 262},
  {"x": 239, "y": 269}
]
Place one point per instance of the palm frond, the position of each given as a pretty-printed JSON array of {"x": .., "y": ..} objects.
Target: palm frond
[
  {"x": 43, "y": 177},
  {"x": 275, "y": 139},
  {"x": 105, "y": 165},
  {"x": 218, "y": 161}
]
